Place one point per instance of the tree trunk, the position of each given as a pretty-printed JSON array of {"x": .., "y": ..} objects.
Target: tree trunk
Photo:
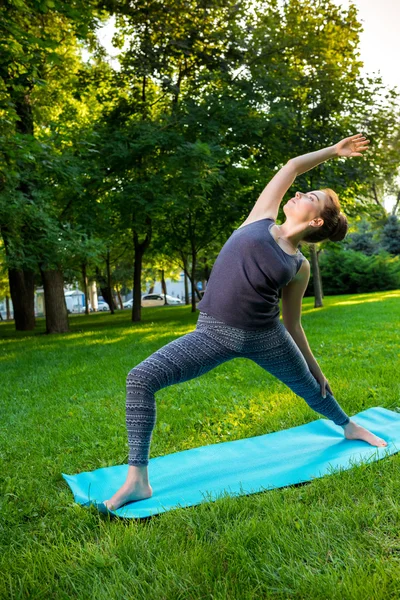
[
  {"x": 93, "y": 295},
  {"x": 163, "y": 286},
  {"x": 121, "y": 304},
  {"x": 8, "y": 310},
  {"x": 54, "y": 299},
  {"x": 151, "y": 290},
  {"x": 316, "y": 277},
  {"x": 110, "y": 295},
  {"x": 85, "y": 288},
  {"x": 140, "y": 248},
  {"x": 137, "y": 286},
  {"x": 206, "y": 275},
  {"x": 319, "y": 274},
  {"x": 22, "y": 291},
  {"x": 192, "y": 280},
  {"x": 186, "y": 280},
  {"x": 106, "y": 292},
  {"x": 22, "y": 288}
]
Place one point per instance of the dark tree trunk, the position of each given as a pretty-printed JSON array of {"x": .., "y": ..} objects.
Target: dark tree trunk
[
  {"x": 163, "y": 286},
  {"x": 8, "y": 311},
  {"x": 137, "y": 286},
  {"x": 22, "y": 286},
  {"x": 195, "y": 292},
  {"x": 110, "y": 295},
  {"x": 316, "y": 277},
  {"x": 319, "y": 275},
  {"x": 140, "y": 249},
  {"x": 22, "y": 289},
  {"x": 54, "y": 298},
  {"x": 104, "y": 289},
  {"x": 105, "y": 292},
  {"x": 192, "y": 280},
  {"x": 206, "y": 274}
]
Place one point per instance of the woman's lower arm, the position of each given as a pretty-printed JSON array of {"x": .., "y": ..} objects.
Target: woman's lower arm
[
  {"x": 305, "y": 162},
  {"x": 301, "y": 341}
]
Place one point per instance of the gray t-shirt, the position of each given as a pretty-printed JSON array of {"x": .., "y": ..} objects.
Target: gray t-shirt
[{"x": 243, "y": 287}]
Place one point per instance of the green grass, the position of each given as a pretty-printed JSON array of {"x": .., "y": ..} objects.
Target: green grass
[{"x": 63, "y": 410}]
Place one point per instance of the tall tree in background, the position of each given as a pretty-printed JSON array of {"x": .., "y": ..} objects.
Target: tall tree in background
[{"x": 39, "y": 61}]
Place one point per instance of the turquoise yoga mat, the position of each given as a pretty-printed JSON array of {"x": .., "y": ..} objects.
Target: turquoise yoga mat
[{"x": 242, "y": 467}]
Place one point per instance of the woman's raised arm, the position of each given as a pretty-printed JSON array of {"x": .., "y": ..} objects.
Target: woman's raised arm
[
  {"x": 350, "y": 146},
  {"x": 306, "y": 162},
  {"x": 270, "y": 198}
]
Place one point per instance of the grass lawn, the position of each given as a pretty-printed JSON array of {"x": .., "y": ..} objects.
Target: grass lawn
[{"x": 62, "y": 400}]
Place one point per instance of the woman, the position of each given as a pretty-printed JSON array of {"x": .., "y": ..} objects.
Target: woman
[{"x": 239, "y": 313}]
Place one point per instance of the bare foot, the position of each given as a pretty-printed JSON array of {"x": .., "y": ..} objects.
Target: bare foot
[
  {"x": 352, "y": 431},
  {"x": 129, "y": 492}
]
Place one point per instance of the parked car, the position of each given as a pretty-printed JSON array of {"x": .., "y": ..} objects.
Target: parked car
[
  {"x": 102, "y": 306},
  {"x": 158, "y": 300},
  {"x": 128, "y": 303}
]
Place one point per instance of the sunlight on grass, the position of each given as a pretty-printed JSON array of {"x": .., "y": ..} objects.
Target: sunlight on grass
[{"x": 366, "y": 299}]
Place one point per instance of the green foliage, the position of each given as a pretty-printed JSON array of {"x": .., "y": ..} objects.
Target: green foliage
[
  {"x": 346, "y": 271},
  {"x": 362, "y": 240},
  {"x": 390, "y": 239},
  {"x": 46, "y": 136}
]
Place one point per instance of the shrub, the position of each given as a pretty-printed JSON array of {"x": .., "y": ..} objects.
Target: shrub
[{"x": 346, "y": 271}]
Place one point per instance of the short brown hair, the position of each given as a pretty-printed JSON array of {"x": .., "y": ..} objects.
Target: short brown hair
[{"x": 335, "y": 222}]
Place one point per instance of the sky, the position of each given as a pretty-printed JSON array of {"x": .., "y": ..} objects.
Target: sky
[{"x": 378, "y": 48}]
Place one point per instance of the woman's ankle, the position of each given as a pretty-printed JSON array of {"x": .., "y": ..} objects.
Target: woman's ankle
[{"x": 138, "y": 474}]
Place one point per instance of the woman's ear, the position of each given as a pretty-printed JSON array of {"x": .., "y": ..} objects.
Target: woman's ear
[{"x": 317, "y": 222}]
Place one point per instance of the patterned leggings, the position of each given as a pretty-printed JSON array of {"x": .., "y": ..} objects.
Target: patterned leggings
[{"x": 212, "y": 343}]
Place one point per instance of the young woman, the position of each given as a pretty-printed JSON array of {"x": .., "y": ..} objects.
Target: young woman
[{"x": 239, "y": 313}]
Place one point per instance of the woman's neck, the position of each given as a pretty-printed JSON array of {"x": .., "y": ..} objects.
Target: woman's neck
[{"x": 292, "y": 236}]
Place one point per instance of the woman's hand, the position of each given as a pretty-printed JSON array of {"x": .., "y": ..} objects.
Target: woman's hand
[
  {"x": 352, "y": 146},
  {"x": 322, "y": 380}
]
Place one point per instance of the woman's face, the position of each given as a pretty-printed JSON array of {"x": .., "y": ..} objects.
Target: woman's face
[{"x": 307, "y": 205}]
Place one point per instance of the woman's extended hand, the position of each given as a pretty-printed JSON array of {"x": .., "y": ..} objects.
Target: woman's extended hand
[
  {"x": 352, "y": 146},
  {"x": 322, "y": 380}
]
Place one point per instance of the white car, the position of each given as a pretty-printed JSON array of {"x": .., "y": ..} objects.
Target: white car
[
  {"x": 158, "y": 300},
  {"x": 128, "y": 303},
  {"x": 101, "y": 306}
]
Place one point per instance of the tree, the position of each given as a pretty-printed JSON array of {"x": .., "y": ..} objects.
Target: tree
[
  {"x": 362, "y": 239},
  {"x": 39, "y": 42},
  {"x": 390, "y": 239}
]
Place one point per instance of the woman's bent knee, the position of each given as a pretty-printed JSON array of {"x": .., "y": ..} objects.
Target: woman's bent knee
[{"x": 142, "y": 380}]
